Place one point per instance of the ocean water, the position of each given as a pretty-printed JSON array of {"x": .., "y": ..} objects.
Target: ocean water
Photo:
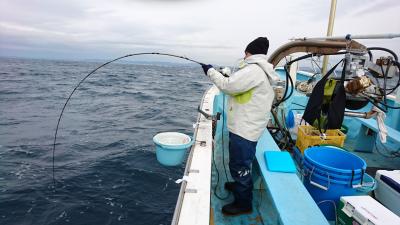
[{"x": 105, "y": 163}]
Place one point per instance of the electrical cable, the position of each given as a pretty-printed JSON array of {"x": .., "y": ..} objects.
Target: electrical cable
[
  {"x": 373, "y": 101},
  {"x": 92, "y": 72},
  {"x": 287, "y": 65},
  {"x": 216, "y": 186},
  {"x": 289, "y": 78},
  {"x": 383, "y": 49},
  {"x": 223, "y": 154},
  {"x": 222, "y": 138},
  {"x": 384, "y": 84},
  {"x": 294, "y": 103},
  {"x": 334, "y": 206},
  {"x": 397, "y": 64}
]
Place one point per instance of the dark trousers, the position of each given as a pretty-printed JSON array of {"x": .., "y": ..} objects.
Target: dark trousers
[{"x": 241, "y": 155}]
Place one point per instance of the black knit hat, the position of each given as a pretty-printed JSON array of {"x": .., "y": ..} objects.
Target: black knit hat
[{"x": 258, "y": 46}]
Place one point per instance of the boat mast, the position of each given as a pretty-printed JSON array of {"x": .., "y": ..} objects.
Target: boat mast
[{"x": 329, "y": 32}]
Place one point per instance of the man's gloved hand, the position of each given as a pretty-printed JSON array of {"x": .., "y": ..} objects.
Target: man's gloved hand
[{"x": 206, "y": 67}]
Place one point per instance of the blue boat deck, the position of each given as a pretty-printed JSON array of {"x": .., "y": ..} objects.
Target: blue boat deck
[
  {"x": 279, "y": 198},
  {"x": 263, "y": 209},
  {"x": 290, "y": 197},
  {"x": 265, "y": 216}
]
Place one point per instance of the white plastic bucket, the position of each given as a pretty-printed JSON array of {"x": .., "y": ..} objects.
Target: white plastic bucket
[{"x": 171, "y": 147}]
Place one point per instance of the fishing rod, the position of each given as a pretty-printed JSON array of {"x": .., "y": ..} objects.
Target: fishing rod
[{"x": 92, "y": 72}]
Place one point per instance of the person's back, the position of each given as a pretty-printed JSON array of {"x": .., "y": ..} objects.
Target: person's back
[
  {"x": 250, "y": 101},
  {"x": 248, "y": 111}
]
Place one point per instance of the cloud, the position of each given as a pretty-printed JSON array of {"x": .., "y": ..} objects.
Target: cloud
[
  {"x": 381, "y": 5},
  {"x": 215, "y": 30}
]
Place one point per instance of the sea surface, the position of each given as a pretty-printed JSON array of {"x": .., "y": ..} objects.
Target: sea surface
[{"x": 105, "y": 164}]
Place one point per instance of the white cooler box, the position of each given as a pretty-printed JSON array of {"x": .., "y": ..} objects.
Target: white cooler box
[
  {"x": 388, "y": 190},
  {"x": 364, "y": 210}
]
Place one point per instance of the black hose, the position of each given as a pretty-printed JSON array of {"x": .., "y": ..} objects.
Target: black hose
[
  {"x": 286, "y": 88},
  {"x": 290, "y": 79},
  {"x": 223, "y": 154},
  {"x": 385, "y": 50},
  {"x": 92, "y": 72},
  {"x": 370, "y": 55},
  {"x": 374, "y": 102},
  {"x": 397, "y": 86},
  {"x": 291, "y": 84},
  {"x": 397, "y": 64},
  {"x": 384, "y": 83}
]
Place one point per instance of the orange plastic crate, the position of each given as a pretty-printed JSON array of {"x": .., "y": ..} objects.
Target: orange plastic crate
[{"x": 308, "y": 136}]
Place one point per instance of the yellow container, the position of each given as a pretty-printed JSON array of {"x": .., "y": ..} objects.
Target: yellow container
[{"x": 308, "y": 136}]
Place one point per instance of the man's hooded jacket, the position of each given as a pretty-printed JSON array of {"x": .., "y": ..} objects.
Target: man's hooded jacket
[{"x": 251, "y": 96}]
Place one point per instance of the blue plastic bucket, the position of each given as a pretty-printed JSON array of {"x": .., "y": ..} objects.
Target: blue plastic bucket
[
  {"x": 330, "y": 173},
  {"x": 335, "y": 160},
  {"x": 171, "y": 147},
  {"x": 334, "y": 178}
]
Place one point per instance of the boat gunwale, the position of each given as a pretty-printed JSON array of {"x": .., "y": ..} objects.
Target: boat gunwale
[{"x": 178, "y": 207}]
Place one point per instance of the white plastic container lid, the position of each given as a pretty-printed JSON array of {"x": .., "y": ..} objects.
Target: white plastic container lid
[
  {"x": 365, "y": 209},
  {"x": 394, "y": 174}
]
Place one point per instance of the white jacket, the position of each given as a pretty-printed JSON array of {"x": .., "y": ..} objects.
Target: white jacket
[{"x": 251, "y": 96}]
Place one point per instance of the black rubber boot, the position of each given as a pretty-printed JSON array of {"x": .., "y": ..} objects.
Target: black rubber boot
[
  {"x": 229, "y": 186},
  {"x": 234, "y": 209}
]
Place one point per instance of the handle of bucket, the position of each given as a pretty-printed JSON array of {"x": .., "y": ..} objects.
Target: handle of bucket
[
  {"x": 317, "y": 184},
  {"x": 174, "y": 147},
  {"x": 361, "y": 182},
  {"x": 367, "y": 186},
  {"x": 362, "y": 175}
]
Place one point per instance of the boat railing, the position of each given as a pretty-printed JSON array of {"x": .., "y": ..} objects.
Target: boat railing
[{"x": 178, "y": 207}]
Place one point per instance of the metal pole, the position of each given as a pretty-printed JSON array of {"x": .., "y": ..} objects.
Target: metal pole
[
  {"x": 329, "y": 32},
  {"x": 354, "y": 37}
]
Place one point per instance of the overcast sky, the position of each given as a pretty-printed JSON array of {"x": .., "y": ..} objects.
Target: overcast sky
[{"x": 213, "y": 31}]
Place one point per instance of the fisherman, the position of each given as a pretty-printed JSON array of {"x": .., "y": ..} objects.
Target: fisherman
[{"x": 250, "y": 99}]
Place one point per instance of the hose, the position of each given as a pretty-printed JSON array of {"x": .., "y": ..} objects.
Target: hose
[
  {"x": 223, "y": 155},
  {"x": 92, "y": 72},
  {"x": 397, "y": 64},
  {"x": 290, "y": 79},
  {"x": 382, "y": 49},
  {"x": 384, "y": 103}
]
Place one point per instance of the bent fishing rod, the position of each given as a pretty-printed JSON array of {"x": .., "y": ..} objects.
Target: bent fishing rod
[{"x": 92, "y": 72}]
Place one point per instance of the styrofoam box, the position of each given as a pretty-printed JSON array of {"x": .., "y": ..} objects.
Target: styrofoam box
[
  {"x": 366, "y": 210},
  {"x": 385, "y": 194}
]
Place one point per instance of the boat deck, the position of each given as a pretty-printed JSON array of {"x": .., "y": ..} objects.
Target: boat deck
[
  {"x": 263, "y": 210},
  {"x": 257, "y": 217},
  {"x": 282, "y": 201}
]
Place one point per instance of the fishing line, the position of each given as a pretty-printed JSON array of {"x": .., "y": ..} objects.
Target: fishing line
[{"x": 92, "y": 72}]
